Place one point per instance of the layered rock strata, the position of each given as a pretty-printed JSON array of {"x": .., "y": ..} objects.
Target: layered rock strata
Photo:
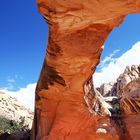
[
  {"x": 77, "y": 31},
  {"x": 126, "y": 112}
]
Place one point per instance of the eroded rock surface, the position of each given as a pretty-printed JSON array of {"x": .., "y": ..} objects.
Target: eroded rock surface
[
  {"x": 77, "y": 31},
  {"x": 127, "y": 88}
]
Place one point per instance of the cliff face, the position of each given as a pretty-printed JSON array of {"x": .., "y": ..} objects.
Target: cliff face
[
  {"x": 130, "y": 74},
  {"x": 127, "y": 88},
  {"x": 77, "y": 31}
]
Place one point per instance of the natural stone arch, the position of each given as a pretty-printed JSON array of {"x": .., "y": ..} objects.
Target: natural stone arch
[{"x": 77, "y": 31}]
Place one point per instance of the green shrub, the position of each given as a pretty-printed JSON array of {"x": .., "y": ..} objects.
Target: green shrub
[{"x": 11, "y": 126}]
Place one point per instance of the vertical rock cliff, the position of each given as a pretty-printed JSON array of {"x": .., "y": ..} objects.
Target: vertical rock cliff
[
  {"x": 77, "y": 31},
  {"x": 125, "y": 110}
]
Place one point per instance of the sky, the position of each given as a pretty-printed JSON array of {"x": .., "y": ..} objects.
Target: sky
[
  {"x": 23, "y": 40},
  {"x": 23, "y": 35}
]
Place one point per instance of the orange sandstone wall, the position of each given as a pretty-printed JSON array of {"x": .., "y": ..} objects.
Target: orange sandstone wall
[{"x": 77, "y": 32}]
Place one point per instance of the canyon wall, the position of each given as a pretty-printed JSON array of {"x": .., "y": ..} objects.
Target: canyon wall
[
  {"x": 77, "y": 32},
  {"x": 126, "y": 105}
]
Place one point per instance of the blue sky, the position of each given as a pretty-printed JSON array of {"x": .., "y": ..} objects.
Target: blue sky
[
  {"x": 124, "y": 36},
  {"x": 23, "y": 37}
]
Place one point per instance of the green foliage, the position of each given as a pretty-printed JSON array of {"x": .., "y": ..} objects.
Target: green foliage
[
  {"x": 116, "y": 109},
  {"x": 11, "y": 126}
]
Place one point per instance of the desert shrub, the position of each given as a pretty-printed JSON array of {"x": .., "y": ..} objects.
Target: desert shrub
[{"x": 11, "y": 126}]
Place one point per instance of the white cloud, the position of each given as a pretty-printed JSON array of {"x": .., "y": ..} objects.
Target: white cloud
[
  {"x": 10, "y": 80},
  {"x": 10, "y": 84},
  {"x": 108, "y": 58},
  {"x": 116, "y": 66},
  {"x": 24, "y": 95}
]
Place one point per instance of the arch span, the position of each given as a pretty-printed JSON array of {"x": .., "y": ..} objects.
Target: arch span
[{"x": 77, "y": 31}]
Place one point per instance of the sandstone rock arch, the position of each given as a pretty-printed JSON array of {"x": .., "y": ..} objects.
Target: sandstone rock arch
[{"x": 77, "y": 31}]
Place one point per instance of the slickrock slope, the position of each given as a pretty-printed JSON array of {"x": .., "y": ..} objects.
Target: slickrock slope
[
  {"x": 12, "y": 109},
  {"x": 77, "y": 30}
]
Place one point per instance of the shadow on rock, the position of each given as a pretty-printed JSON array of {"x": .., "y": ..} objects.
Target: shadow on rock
[{"x": 19, "y": 135}]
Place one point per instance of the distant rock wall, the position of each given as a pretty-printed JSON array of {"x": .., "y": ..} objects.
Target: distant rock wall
[
  {"x": 12, "y": 109},
  {"x": 127, "y": 88}
]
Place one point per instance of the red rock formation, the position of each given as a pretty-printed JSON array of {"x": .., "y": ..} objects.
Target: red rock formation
[
  {"x": 128, "y": 88},
  {"x": 77, "y": 31}
]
